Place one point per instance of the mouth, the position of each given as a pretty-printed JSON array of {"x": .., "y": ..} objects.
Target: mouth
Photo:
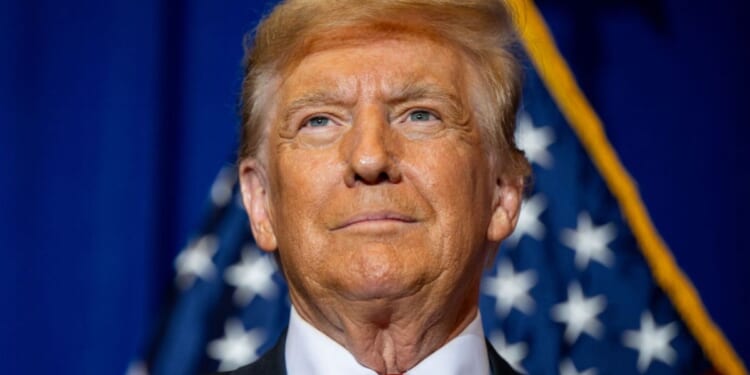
[{"x": 375, "y": 219}]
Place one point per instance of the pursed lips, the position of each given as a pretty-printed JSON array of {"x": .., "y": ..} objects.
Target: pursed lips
[{"x": 375, "y": 217}]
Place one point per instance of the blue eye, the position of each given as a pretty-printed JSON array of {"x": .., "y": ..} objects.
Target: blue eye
[
  {"x": 421, "y": 115},
  {"x": 318, "y": 121}
]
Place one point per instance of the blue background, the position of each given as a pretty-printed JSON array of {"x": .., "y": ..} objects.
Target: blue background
[{"x": 115, "y": 116}]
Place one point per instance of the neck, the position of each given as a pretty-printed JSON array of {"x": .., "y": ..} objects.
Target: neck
[{"x": 390, "y": 337}]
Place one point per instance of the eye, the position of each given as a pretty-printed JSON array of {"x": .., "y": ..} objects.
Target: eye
[
  {"x": 317, "y": 121},
  {"x": 422, "y": 115}
]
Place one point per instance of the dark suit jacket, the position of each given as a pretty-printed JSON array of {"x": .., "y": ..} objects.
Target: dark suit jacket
[{"x": 272, "y": 363}]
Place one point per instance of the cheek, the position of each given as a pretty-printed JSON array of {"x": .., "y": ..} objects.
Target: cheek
[
  {"x": 454, "y": 177},
  {"x": 455, "y": 181},
  {"x": 300, "y": 172},
  {"x": 303, "y": 186}
]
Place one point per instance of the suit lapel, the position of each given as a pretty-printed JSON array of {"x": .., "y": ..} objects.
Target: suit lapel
[
  {"x": 498, "y": 366},
  {"x": 271, "y": 363}
]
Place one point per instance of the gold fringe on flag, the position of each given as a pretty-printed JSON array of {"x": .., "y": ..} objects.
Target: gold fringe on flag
[{"x": 557, "y": 77}]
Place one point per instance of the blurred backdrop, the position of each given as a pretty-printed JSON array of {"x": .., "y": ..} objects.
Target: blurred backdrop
[{"x": 115, "y": 117}]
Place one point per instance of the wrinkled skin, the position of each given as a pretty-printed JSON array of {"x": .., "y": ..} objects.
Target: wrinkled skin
[{"x": 379, "y": 194}]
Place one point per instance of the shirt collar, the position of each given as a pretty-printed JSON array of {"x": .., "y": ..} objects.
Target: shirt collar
[{"x": 310, "y": 352}]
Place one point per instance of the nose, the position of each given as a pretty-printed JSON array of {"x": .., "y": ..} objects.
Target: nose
[{"x": 369, "y": 150}]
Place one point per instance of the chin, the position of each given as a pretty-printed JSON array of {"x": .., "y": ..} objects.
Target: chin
[
  {"x": 381, "y": 281},
  {"x": 368, "y": 290}
]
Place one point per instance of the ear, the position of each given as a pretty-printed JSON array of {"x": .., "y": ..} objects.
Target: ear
[
  {"x": 506, "y": 206},
  {"x": 254, "y": 188}
]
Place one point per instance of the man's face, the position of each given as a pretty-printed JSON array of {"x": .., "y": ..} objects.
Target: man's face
[{"x": 376, "y": 183}]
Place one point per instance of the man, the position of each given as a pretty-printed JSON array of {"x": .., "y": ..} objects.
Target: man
[{"x": 378, "y": 162}]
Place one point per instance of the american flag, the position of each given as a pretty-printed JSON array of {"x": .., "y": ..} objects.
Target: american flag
[{"x": 583, "y": 286}]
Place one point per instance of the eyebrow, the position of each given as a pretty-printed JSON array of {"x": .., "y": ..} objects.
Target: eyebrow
[
  {"x": 335, "y": 97},
  {"x": 415, "y": 89},
  {"x": 315, "y": 98}
]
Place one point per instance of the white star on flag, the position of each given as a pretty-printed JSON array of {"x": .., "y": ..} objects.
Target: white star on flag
[
  {"x": 579, "y": 314},
  {"x": 511, "y": 353},
  {"x": 511, "y": 289},
  {"x": 590, "y": 242},
  {"x": 534, "y": 141},
  {"x": 568, "y": 368},
  {"x": 252, "y": 276},
  {"x": 528, "y": 220},
  {"x": 137, "y": 368},
  {"x": 221, "y": 189},
  {"x": 195, "y": 261},
  {"x": 652, "y": 342},
  {"x": 237, "y": 348}
]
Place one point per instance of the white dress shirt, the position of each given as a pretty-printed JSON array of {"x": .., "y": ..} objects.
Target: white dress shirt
[{"x": 310, "y": 352}]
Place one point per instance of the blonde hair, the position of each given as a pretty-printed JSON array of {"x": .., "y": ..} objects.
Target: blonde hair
[{"x": 481, "y": 29}]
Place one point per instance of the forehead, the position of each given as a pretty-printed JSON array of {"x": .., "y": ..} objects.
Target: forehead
[{"x": 385, "y": 66}]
